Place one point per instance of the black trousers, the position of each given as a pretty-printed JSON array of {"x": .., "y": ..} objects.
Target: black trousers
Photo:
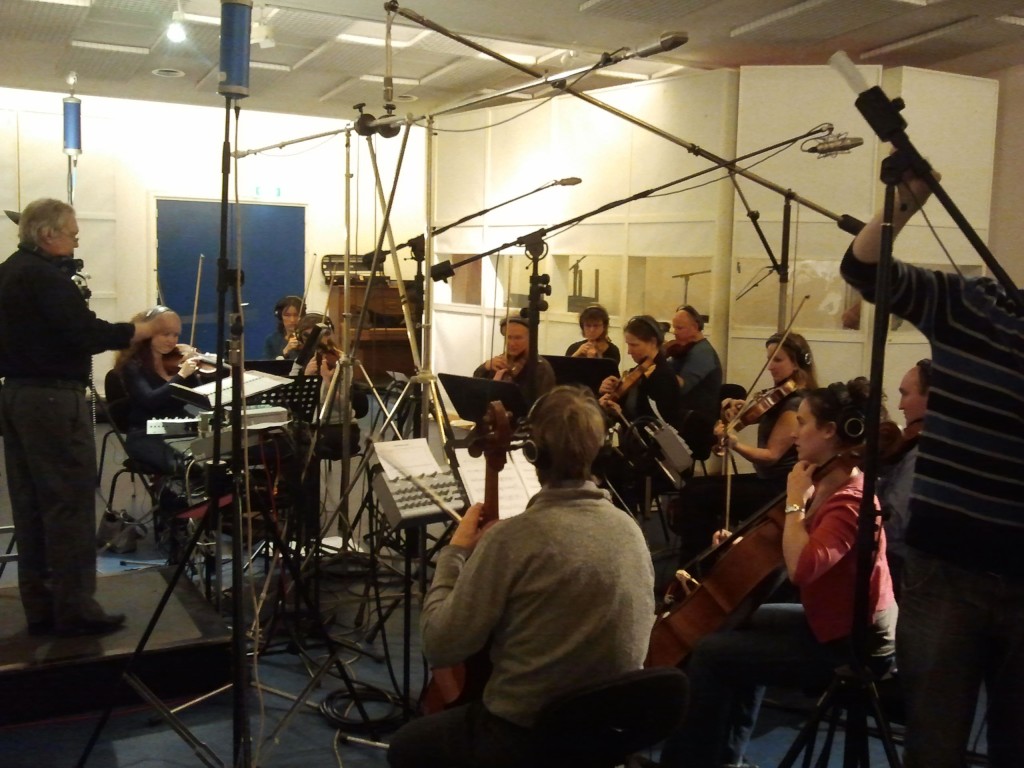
[
  {"x": 464, "y": 737},
  {"x": 50, "y": 455}
]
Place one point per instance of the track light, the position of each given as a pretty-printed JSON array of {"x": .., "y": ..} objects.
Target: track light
[{"x": 176, "y": 32}]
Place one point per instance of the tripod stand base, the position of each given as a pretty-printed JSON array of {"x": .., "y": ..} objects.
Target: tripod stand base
[{"x": 856, "y": 695}]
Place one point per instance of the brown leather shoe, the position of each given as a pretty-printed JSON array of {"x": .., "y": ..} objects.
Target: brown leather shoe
[{"x": 100, "y": 625}]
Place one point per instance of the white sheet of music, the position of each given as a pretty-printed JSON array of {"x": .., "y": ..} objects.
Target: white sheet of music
[
  {"x": 517, "y": 482},
  {"x": 406, "y": 458}
]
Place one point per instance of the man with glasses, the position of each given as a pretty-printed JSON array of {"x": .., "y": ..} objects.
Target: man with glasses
[{"x": 47, "y": 336}]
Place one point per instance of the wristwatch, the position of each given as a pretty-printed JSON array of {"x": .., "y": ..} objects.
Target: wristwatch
[{"x": 792, "y": 508}]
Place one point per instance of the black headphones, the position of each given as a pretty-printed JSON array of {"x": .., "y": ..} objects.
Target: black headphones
[
  {"x": 533, "y": 452},
  {"x": 284, "y": 302},
  {"x": 650, "y": 322},
  {"x": 850, "y": 419},
  {"x": 595, "y": 310},
  {"x": 537, "y": 453},
  {"x": 698, "y": 318},
  {"x": 800, "y": 355},
  {"x": 159, "y": 309}
]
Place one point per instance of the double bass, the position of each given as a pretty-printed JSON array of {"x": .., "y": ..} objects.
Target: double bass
[{"x": 452, "y": 686}]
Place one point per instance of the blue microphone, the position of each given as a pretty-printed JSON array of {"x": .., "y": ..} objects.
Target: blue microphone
[
  {"x": 235, "y": 26},
  {"x": 72, "y": 126}
]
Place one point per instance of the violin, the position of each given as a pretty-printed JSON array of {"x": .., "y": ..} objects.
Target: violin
[
  {"x": 633, "y": 377},
  {"x": 173, "y": 360},
  {"x": 452, "y": 686},
  {"x": 677, "y": 348},
  {"x": 764, "y": 402}
]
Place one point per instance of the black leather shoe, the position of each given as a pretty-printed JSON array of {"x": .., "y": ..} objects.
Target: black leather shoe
[
  {"x": 97, "y": 626},
  {"x": 38, "y": 628}
]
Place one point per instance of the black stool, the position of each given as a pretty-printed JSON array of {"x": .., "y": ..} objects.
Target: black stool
[{"x": 603, "y": 724}]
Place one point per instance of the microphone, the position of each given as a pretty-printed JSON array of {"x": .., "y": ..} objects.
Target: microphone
[
  {"x": 572, "y": 181},
  {"x": 235, "y": 28},
  {"x": 667, "y": 42},
  {"x": 835, "y": 146}
]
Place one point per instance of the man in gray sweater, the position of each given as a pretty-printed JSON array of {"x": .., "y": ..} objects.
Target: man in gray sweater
[{"x": 563, "y": 593}]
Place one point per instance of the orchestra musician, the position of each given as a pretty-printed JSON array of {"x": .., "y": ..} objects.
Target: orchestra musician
[
  {"x": 47, "y": 338},
  {"x": 147, "y": 370},
  {"x": 896, "y": 479},
  {"x": 514, "y": 364},
  {"x": 656, "y": 392},
  {"x": 794, "y": 644},
  {"x": 283, "y": 343},
  {"x": 563, "y": 593},
  {"x": 594, "y": 322},
  {"x": 962, "y": 601},
  {"x": 702, "y": 503},
  {"x": 699, "y": 371}
]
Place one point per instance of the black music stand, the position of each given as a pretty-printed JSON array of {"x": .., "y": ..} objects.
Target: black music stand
[
  {"x": 585, "y": 371},
  {"x": 471, "y": 396}
]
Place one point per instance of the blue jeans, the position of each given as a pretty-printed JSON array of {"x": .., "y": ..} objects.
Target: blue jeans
[
  {"x": 728, "y": 672},
  {"x": 958, "y": 628}
]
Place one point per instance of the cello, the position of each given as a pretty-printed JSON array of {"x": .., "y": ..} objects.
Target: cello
[
  {"x": 452, "y": 686},
  {"x": 747, "y": 567}
]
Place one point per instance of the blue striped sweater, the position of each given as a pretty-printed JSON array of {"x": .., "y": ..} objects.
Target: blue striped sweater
[{"x": 967, "y": 504}]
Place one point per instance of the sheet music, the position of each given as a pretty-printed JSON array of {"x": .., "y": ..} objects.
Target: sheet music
[
  {"x": 517, "y": 482},
  {"x": 401, "y": 458},
  {"x": 253, "y": 383}
]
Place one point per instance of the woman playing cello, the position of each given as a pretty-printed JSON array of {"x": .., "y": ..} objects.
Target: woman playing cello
[{"x": 795, "y": 644}]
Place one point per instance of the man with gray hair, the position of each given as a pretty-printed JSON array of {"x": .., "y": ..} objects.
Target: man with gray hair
[
  {"x": 564, "y": 594},
  {"x": 47, "y": 337}
]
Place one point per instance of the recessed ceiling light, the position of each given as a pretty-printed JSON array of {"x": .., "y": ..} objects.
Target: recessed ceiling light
[
  {"x": 406, "y": 97},
  {"x": 168, "y": 72}
]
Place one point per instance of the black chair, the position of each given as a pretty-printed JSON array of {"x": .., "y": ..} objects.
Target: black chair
[
  {"x": 117, "y": 407},
  {"x": 601, "y": 725}
]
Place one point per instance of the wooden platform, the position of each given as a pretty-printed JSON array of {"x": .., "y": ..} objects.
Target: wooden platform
[{"x": 43, "y": 677}]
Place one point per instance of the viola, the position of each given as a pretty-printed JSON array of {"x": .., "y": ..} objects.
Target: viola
[
  {"x": 742, "y": 571},
  {"x": 452, "y": 686}
]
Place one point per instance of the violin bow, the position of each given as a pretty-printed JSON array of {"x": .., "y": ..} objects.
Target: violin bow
[{"x": 195, "y": 302}]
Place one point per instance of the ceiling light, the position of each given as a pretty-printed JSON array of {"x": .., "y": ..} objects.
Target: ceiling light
[
  {"x": 197, "y": 18},
  {"x": 774, "y": 18},
  {"x": 270, "y": 66},
  {"x": 395, "y": 80},
  {"x": 76, "y": 3},
  {"x": 176, "y": 32},
  {"x": 110, "y": 47},
  {"x": 262, "y": 35},
  {"x": 924, "y": 37}
]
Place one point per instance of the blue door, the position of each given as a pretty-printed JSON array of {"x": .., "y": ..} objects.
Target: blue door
[{"x": 273, "y": 245}]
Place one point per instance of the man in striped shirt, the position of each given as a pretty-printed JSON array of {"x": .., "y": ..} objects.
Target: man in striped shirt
[{"x": 962, "y": 607}]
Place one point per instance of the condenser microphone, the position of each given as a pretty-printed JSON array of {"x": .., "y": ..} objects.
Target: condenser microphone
[
  {"x": 235, "y": 28},
  {"x": 572, "y": 181},
  {"x": 668, "y": 41},
  {"x": 835, "y": 146}
]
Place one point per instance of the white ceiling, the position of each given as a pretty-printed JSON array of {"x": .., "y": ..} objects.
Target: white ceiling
[{"x": 317, "y": 74}]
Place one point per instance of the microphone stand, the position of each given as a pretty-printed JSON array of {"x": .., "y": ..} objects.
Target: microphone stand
[{"x": 534, "y": 242}]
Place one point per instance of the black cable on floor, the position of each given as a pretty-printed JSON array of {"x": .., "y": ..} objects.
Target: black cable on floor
[{"x": 337, "y": 704}]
